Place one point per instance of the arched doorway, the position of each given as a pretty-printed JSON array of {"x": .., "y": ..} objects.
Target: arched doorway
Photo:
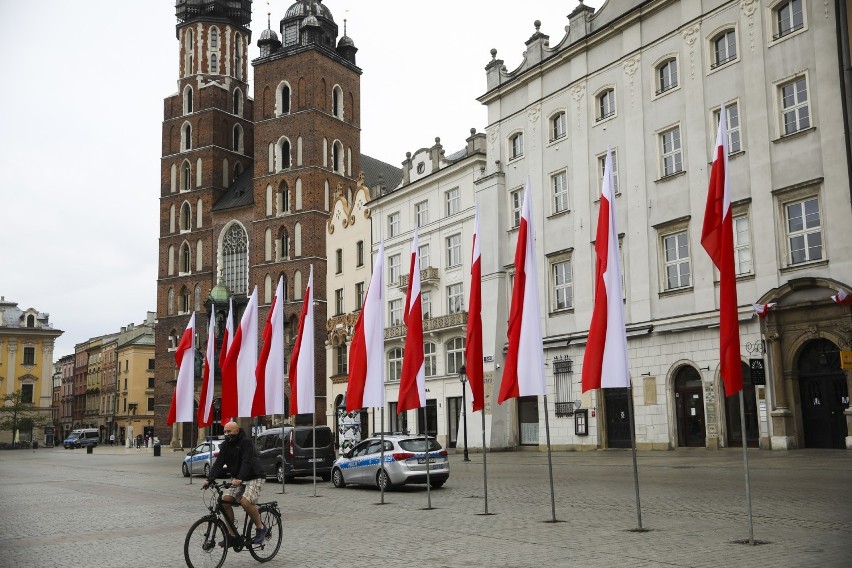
[
  {"x": 823, "y": 395},
  {"x": 689, "y": 408},
  {"x": 617, "y": 418},
  {"x": 732, "y": 414}
]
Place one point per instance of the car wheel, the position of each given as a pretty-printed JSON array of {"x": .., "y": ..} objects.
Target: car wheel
[
  {"x": 206, "y": 470},
  {"x": 184, "y": 469},
  {"x": 383, "y": 481},
  {"x": 337, "y": 478},
  {"x": 325, "y": 476},
  {"x": 437, "y": 483},
  {"x": 279, "y": 473}
]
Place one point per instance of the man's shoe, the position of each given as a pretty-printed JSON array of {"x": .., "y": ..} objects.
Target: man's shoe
[{"x": 260, "y": 535}]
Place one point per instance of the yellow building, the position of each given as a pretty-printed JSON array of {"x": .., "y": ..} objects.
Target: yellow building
[
  {"x": 134, "y": 391},
  {"x": 26, "y": 363}
]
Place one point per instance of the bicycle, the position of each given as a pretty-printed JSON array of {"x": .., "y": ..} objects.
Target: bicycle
[{"x": 202, "y": 545}]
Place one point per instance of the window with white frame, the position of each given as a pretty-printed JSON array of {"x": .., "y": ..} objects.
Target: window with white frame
[
  {"x": 454, "y": 251},
  {"x": 359, "y": 295},
  {"x": 602, "y": 167},
  {"x": 742, "y": 245},
  {"x": 676, "y": 260},
  {"x": 795, "y": 113},
  {"x": 423, "y": 255},
  {"x": 804, "y": 230},
  {"x": 516, "y": 202},
  {"x": 559, "y": 186},
  {"x": 516, "y": 145},
  {"x": 395, "y": 364},
  {"x": 671, "y": 156},
  {"x": 338, "y": 302},
  {"x": 430, "y": 359},
  {"x": 563, "y": 285},
  {"x": 724, "y": 48},
  {"x": 455, "y": 355},
  {"x": 393, "y": 224},
  {"x": 788, "y": 18},
  {"x": 426, "y": 304},
  {"x": 341, "y": 363},
  {"x": 338, "y": 261},
  {"x": 453, "y": 200},
  {"x": 732, "y": 112},
  {"x": 667, "y": 75},
  {"x": 393, "y": 269},
  {"x": 395, "y": 312},
  {"x": 606, "y": 104},
  {"x": 359, "y": 253},
  {"x": 455, "y": 298},
  {"x": 421, "y": 213},
  {"x": 558, "y": 126}
]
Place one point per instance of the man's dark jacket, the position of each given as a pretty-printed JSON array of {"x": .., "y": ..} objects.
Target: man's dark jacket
[{"x": 240, "y": 458}]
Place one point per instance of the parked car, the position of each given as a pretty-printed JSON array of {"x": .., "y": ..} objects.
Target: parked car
[
  {"x": 198, "y": 460},
  {"x": 405, "y": 462},
  {"x": 303, "y": 447},
  {"x": 81, "y": 437}
]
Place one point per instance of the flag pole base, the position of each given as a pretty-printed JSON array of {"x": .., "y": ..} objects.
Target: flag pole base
[{"x": 486, "y": 514}]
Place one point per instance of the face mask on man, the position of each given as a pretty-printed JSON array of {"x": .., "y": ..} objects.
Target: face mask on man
[{"x": 230, "y": 437}]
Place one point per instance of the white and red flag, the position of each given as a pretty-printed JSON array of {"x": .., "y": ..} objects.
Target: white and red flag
[
  {"x": 842, "y": 298},
  {"x": 227, "y": 334},
  {"x": 228, "y": 405},
  {"x": 302, "y": 368},
  {"x": 473, "y": 338},
  {"x": 412, "y": 382},
  {"x": 717, "y": 238},
  {"x": 269, "y": 392},
  {"x": 205, "y": 398},
  {"x": 605, "y": 361},
  {"x": 366, "y": 387},
  {"x": 183, "y": 399},
  {"x": 523, "y": 374},
  {"x": 240, "y": 364},
  {"x": 762, "y": 310}
]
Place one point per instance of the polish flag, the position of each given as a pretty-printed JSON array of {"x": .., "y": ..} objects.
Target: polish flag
[
  {"x": 762, "y": 310},
  {"x": 717, "y": 238},
  {"x": 523, "y": 374},
  {"x": 412, "y": 383},
  {"x": 205, "y": 399},
  {"x": 302, "y": 368},
  {"x": 842, "y": 298},
  {"x": 240, "y": 365},
  {"x": 269, "y": 393},
  {"x": 366, "y": 388},
  {"x": 605, "y": 361},
  {"x": 228, "y": 403},
  {"x": 473, "y": 338},
  {"x": 183, "y": 399}
]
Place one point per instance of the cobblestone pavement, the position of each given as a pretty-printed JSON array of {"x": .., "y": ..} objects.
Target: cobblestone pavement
[{"x": 126, "y": 508}]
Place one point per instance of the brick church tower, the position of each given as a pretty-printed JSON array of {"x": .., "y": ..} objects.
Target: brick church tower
[{"x": 246, "y": 183}]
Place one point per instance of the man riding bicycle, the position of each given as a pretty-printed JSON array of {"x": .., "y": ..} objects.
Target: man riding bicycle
[{"x": 238, "y": 455}]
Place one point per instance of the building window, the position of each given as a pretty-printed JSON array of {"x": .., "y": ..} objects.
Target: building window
[
  {"x": 150, "y": 404},
  {"x": 454, "y": 251},
  {"x": 395, "y": 312},
  {"x": 151, "y": 382},
  {"x": 430, "y": 359},
  {"x": 29, "y": 356},
  {"x": 398, "y": 422},
  {"x": 558, "y": 126},
  {"x": 238, "y": 138},
  {"x": 455, "y": 355},
  {"x": 795, "y": 113},
  {"x": 185, "y": 259},
  {"x": 423, "y": 255},
  {"x": 338, "y": 257},
  {"x": 393, "y": 269},
  {"x": 455, "y": 298},
  {"x": 732, "y": 113},
  {"x": 359, "y": 253},
  {"x": 395, "y": 365},
  {"x": 421, "y": 213},
  {"x": 184, "y": 300},
  {"x": 214, "y": 64},
  {"x": 186, "y": 137},
  {"x": 516, "y": 199},
  {"x": 340, "y": 363},
  {"x": 606, "y": 104},
  {"x": 453, "y": 200},
  {"x": 788, "y": 18},
  {"x": 187, "y": 100},
  {"x": 676, "y": 254},
  {"x": 672, "y": 159},
  {"x": 667, "y": 75},
  {"x": 337, "y": 157},
  {"x": 359, "y": 295},
  {"x": 742, "y": 245},
  {"x": 516, "y": 146},
  {"x": 150, "y": 364},
  {"x": 563, "y": 286},
  {"x": 283, "y": 96},
  {"x": 214, "y": 38},
  {"x": 804, "y": 230},
  {"x": 27, "y": 394},
  {"x": 284, "y": 161},
  {"x": 338, "y": 301},
  {"x": 235, "y": 259},
  {"x": 724, "y": 48},
  {"x": 426, "y": 304},
  {"x": 337, "y": 102},
  {"x": 559, "y": 184},
  {"x": 602, "y": 167},
  {"x": 393, "y": 225}
]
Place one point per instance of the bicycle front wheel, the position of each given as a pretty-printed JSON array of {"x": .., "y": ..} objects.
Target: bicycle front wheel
[
  {"x": 266, "y": 551},
  {"x": 201, "y": 548}
]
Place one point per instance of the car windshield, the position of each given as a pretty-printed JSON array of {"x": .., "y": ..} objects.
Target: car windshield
[
  {"x": 305, "y": 438},
  {"x": 419, "y": 445},
  {"x": 73, "y": 436}
]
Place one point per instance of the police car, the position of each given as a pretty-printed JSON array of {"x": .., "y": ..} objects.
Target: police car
[
  {"x": 199, "y": 460},
  {"x": 405, "y": 461}
]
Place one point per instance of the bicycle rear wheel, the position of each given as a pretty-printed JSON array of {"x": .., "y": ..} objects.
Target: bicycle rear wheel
[
  {"x": 201, "y": 548},
  {"x": 267, "y": 550}
]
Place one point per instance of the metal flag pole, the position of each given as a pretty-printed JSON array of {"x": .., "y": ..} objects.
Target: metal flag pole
[
  {"x": 549, "y": 462},
  {"x": 426, "y": 440},
  {"x": 382, "y": 436},
  {"x": 484, "y": 465},
  {"x": 283, "y": 451},
  {"x": 745, "y": 467},
  {"x": 192, "y": 451},
  {"x": 632, "y": 419},
  {"x": 314, "y": 444}
]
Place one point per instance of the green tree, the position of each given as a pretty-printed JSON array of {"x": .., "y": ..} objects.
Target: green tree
[{"x": 16, "y": 415}]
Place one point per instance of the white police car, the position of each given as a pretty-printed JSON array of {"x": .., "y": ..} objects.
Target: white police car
[
  {"x": 199, "y": 460},
  {"x": 405, "y": 461}
]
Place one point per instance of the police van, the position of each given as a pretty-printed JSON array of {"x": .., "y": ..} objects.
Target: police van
[{"x": 81, "y": 437}]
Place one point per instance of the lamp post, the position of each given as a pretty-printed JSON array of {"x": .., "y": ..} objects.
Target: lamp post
[{"x": 463, "y": 379}]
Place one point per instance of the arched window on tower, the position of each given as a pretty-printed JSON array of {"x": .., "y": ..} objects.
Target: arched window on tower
[
  {"x": 214, "y": 64},
  {"x": 197, "y": 303},
  {"x": 185, "y": 217},
  {"x": 282, "y": 99},
  {"x": 238, "y": 102},
  {"x": 185, "y": 259},
  {"x": 186, "y": 177},
  {"x": 238, "y": 138},
  {"x": 184, "y": 300},
  {"x": 337, "y": 102},
  {"x": 283, "y": 154},
  {"x": 235, "y": 258},
  {"x": 170, "y": 308},
  {"x": 188, "y": 50},
  {"x": 186, "y": 137},
  {"x": 187, "y": 100},
  {"x": 283, "y": 198},
  {"x": 284, "y": 245},
  {"x": 238, "y": 57},
  {"x": 214, "y": 38},
  {"x": 238, "y": 169},
  {"x": 337, "y": 157}
]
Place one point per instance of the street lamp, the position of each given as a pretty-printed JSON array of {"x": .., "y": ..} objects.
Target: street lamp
[{"x": 463, "y": 379}]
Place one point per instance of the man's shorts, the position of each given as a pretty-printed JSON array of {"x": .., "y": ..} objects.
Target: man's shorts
[{"x": 249, "y": 489}]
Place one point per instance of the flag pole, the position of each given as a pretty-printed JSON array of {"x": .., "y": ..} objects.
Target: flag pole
[
  {"x": 382, "y": 436},
  {"x": 745, "y": 467},
  {"x": 314, "y": 435},
  {"x": 283, "y": 450},
  {"x": 632, "y": 418},
  {"x": 549, "y": 462},
  {"x": 484, "y": 465},
  {"x": 426, "y": 440}
]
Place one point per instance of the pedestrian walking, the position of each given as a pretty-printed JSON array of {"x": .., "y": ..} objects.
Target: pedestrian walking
[{"x": 112, "y": 439}]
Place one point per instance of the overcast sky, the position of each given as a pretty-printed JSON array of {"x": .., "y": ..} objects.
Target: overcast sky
[{"x": 81, "y": 110}]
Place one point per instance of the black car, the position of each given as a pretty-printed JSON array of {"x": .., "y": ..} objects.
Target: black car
[{"x": 303, "y": 446}]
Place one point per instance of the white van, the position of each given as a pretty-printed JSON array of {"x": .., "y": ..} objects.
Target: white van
[{"x": 81, "y": 437}]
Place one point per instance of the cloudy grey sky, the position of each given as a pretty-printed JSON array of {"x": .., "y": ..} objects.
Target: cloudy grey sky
[{"x": 81, "y": 111}]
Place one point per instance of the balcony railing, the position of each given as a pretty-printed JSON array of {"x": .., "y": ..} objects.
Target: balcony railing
[
  {"x": 440, "y": 323},
  {"x": 428, "y": 276}
]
